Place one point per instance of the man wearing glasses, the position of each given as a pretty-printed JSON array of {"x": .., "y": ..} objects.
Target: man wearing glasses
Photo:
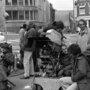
[{"x": 82, "y": 37}]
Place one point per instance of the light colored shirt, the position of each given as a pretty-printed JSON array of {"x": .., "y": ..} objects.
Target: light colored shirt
[
  {"x": 54, "y": 36},
  {"x": 82, "y": 39},
  {"x": 82, "y": 42},
  {"x": 21, "y": 35}
]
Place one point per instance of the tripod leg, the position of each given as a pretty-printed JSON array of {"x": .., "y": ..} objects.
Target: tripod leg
[{"x": 11, "y": 83}]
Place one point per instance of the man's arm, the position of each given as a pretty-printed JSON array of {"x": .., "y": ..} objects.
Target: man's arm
[{"x": 81, "y": 73}]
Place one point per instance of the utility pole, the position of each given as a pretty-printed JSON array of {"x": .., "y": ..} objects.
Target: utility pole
[
  {"x": 73, "y": 9},
  {"x": 73, "y": 16}
]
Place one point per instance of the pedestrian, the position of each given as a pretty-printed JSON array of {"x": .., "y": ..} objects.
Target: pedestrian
[
  {"x": 21, "y": 34},
  {"x": 36, "y": 51},
  {"x": 80, "y": 79},
  {"x": 29, "y": 47},
  {"x": 82, "y": 36},
  {"x": 81, "y": 68}
]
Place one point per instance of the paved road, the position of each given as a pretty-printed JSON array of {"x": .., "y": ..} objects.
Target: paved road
[{"x": 21, "y": 84}]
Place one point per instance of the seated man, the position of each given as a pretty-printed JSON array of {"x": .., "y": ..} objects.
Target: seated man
[{"x": 79, "y": 74}]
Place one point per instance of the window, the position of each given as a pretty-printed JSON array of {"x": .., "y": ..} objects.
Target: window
[
  {"x": 82, "y": 5},
  {"x": 89, "y": 3},
  {"x": 89, "y": 6},
  {"x": 34, "y": 2},
  {"x": 27, "y": 15},
  {"x": 8, "y": 2},
  {"x": 15, "y": 15},
  {"x": 31, "y": 2},
  {"x": 14, "y": 2},
  {"x": 82, "y": 11},
  {"x": 89, "y": 10},
  {"x": 31, "y": 15},
  {"x": 82, "y": 8},
  {"x": 35, "y": 15},
  {"x": 20, "y": 2},
  {"x": 21, "y": 15},
  {"x": 26, "y": 2},
  {"x": 10, "y": 15},
  {"x": 81, "y": 0},
  {"x": 89, "y": 23}
]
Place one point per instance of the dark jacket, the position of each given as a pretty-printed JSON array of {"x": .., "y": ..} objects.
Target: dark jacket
[
  {"x": 29, "y": 40},
  {"x": 2, "y": 78},
  {"x": 81, "y": 72}
]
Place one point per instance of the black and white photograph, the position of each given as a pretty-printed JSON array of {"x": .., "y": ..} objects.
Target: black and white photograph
[{"x": 44, "y": 44}]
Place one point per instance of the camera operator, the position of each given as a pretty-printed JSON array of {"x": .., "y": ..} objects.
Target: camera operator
[
  {"x": 82, "y": 37},
  {"x": 29, "y": 47}
]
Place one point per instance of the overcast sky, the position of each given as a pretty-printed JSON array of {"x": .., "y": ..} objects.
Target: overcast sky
[{"x": 62, "y": 4}]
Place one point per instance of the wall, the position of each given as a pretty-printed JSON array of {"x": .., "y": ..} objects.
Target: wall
[{"x": 2, "y": 19}]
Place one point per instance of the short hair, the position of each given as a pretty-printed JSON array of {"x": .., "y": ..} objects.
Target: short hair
[
  {"x": 21, "y": 26},
  {"x": 25, "y": 26},
  {"x": 82, "y": 20},
  {"x": 30, "y": 25},
  {"x": 58, "y": 24},
  {"x": 74, "y": 49}
]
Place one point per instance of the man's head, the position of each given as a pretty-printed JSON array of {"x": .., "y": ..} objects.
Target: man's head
[
  {"x": 74, "y": 49},
  {"x": 58, "y": 25},
  {"x": 24, "y": 26},
  {"x": 30, "y": 25},
  {"x": 82, "y": 24}
]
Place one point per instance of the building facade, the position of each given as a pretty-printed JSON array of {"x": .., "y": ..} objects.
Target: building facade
[
  {"x": 82, "y": 10},
  {"x": 52, "y": 14},
  {"x": 2, "y": 19},
  {"x": 21, "y": 11}
]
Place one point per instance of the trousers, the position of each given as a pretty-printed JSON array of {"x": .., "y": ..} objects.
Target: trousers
[
  {"x": 68, "y": 84},
  {"x": 28, "y": 64}
]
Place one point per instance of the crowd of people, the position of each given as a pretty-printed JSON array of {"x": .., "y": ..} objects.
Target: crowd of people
[
  {"x": 80, "y": 65},
  {"x": 72, "y": 66},
  {"x": 31, "y": 38},
  {"x": 77, "y": 51},
  {"x": 72, "y": 61},
  {"x": 27, "y": 48}
]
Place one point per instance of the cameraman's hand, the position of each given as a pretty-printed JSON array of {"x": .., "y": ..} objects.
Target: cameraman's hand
[
  {"x": 60, "y": 73},
  {"x": 1, "y": 55}
]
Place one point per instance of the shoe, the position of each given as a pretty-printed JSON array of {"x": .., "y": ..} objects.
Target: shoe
[
  {"x": 31, "y": 75},
  {"x": 24, "y": 77},
  {"x": 37, "y": 75}
]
